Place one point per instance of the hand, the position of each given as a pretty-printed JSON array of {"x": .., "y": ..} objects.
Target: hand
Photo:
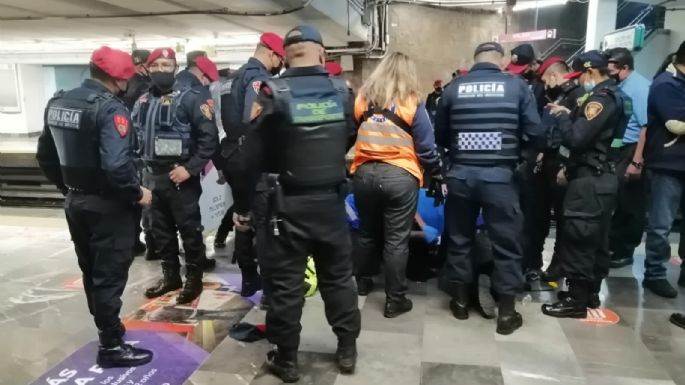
[
  {"x": 538, "y": 163},
  {"x": 222, "y": 178},
  {"x": 241, "y": 222},
  {"x": 556, "y": 109},
  {"x": 633, "y": 173},
  {"x": 146, "y": 200},
  {"x": 561, "y": 177},
  {"x": 179, "y": 175}
]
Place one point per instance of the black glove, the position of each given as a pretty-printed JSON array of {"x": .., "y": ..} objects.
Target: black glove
[{"x": 434, "y": 183}]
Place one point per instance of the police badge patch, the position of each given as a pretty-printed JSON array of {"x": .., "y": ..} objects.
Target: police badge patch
[
  {"x": 256, "y": 85},
  {"x": 121, "y": 124},
  {"x": 593, "y": 109},
  {"x": 207, "y": 111}
]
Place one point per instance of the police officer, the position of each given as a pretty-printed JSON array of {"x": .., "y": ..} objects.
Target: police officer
[
  {"x": 177, "y": 138},
  {"x": 266, "y": 62},
  {"x": 186, "y": 77},
  {"x": 561, "y": 88},
  {"x": 433, "y": 99},
  {"x": 84, "y": 150},
  {"x": 303, "y": 125},
  {"x": 481, "y": 118},
  {"x": 592, "y": 185}
]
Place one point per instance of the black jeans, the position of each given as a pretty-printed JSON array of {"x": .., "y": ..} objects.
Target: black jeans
[
  {"x": 244, "y": 252},
  {"x": 588, "y": 205},
  {"x": 102, "y": 231},
  {"x": 177, "y": 208},
  {"x": 629, "y": 220},
  {"x": 313, "y": 225},
  {"x": 386, "y": 197}
]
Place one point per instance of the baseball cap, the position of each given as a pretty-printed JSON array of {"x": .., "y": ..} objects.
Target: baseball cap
[
  {"x": 301, "y": 34},
  {"x": 272, "y": 42},
  {"x": 590, "y": 59},
  {"x": 167, "y": 53},
  {"x": 548, "y": 63},
  {"x": 115, "y": 63},
  {"x": 140, "y": 56},
  {"x": 207, "y": 66},
  {"x": 333, "y": 68},
  {"x": 521, "y": 57},
  {"x": 489, "y": 46}
]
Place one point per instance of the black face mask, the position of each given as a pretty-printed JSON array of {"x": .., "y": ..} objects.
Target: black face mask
[
  {"x": 276, "y": 70},
  {"x": 553, "y": 93},
  {"x": 164, "y": 81},
  {"x": 616, "y": 77},
  {"x": 530, "y": 75}
]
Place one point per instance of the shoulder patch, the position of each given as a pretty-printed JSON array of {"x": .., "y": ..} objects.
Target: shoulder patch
[
  {"x": 121, "y": 124},
  {"x": 593, "y": 109},
  {"x": 256, "y": 85}
]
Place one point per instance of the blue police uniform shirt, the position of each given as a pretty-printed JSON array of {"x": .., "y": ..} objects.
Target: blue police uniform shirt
[
  {"x": 255, "y": 73},
  {"x": 637, "y": 87}
]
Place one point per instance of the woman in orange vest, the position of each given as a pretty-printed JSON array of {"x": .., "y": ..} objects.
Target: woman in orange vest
[{"x": 395, "y": 139}]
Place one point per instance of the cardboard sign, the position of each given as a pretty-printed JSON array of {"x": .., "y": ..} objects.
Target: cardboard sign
[{"x": 215, "y": 200}]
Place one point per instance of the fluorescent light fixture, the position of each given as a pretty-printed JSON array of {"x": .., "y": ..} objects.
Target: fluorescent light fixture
[{"x": 524, "y": 5}]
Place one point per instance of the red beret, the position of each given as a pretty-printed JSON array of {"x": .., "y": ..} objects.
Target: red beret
[
  {"x": 273, "y": 42},
  {"x": 167, "y": 53},
  {"x": 437, "y": 83},
  {"x": 333, "y": 68},
  {"x": 548, "y": 63},
  {"x": 115, "y": 63},
  {"x": 207, "y": 67}
]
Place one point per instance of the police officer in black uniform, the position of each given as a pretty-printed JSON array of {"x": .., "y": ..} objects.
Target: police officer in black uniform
[
  {"x": 592, "y": 185},
  {"x": 266, "y": 62},
  {"x": 303, "y": 125},
  {"x": 177, "y": 137},
  {"x": 185, "y": 77},
  {"x": 481, "y": 119},
  {"x": 84, "y": 150}
]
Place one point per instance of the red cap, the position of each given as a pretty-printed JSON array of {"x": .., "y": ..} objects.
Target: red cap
[
  {"x": 167, "y": 53},
  {"x": 437, "y": 83},
  {"x": 207, "y": 67},
  {"x": 572, "y": 75},
  {"x": 547, "y": 63},
  {"x": 273, "y": 42},
  {"x": 115, "y": 63},
  {"x": 516, "y": 69},
  {"x": 333, "y": 68}
]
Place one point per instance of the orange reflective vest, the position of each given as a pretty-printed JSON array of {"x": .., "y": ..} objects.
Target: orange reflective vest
[{"x": 381, "y": 140}]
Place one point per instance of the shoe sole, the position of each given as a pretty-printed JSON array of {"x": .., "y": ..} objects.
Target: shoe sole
[
  {"x": 149, "y": 296},
  {"x": 130, "y": 365},
  {"x": 346, "y": 369},
  {"x": 570, "y": 315},
  {"x": 676, "y": 323},
  {"x": 288, "y": 380}
]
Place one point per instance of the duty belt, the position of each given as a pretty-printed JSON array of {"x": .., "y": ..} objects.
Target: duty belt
[{"x": 587, "y": 170}]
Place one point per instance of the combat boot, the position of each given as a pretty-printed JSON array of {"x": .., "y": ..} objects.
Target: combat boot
[
  {"x": 171, "y": 281},
  {"x": 346, "y": 356},
  {"x": 397, "y": 305},
  {"x": 251, "y": 282},
  {"x": 572, "y": 306},
  {"x": 508, "y": 319},
  {"x": 150, "y": 254},
  {"x": 193, "y": 286},
  {"x": 283, "y": 364},
  {"x": 459, "y": 304},
  {"x": 113, "y": 353}
]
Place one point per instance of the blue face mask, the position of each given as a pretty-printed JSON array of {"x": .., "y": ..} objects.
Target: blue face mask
[{"x": 589, "y": 86}]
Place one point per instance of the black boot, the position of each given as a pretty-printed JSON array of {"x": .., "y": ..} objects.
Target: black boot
[
  {"x": 396, "y": 306},
  {"x": 113, "y": 353},
  {"x": 660, "y": 287},
  {"x": 251, "y": 282},
  {"x": 221, "y": 235},
  {"x": 572, "y": 306},
  {"x": 617, "y": 263},
  {"x": 283, "y": 364},
  {"x": 459, "y": 304},
  {"x": 509, "y": 319},
  {"x": 593, "y": 302},
  {"x": 554, "y": 271},
  {"x": 346, "y": 356},
  {"x": 193, "y": 286},
  {"x": 171, "y": 281},
  {"x": 138, "y": 248},
  {"x": 150, "y": 255},
  {"x": 364, "y": 285}
]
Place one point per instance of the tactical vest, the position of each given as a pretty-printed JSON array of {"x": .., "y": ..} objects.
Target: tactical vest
[
  {"x": 312, "y": 141},
  {"x": 162, "y": 137},
  {"x": 72, "y": 119},
  {"x": 484, "y": 120}
]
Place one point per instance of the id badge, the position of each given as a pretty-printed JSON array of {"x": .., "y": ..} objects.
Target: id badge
[{"x": 168, "y": 147}]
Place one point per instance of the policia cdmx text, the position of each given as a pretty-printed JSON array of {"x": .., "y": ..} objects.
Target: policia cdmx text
[{"x": 302, "y": 127}]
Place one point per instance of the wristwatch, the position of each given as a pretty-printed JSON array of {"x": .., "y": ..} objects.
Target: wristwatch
[{"x": 638, "y": 165}]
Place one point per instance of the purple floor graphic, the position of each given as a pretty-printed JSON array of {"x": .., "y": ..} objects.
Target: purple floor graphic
[{"x": 175, "y": 360}]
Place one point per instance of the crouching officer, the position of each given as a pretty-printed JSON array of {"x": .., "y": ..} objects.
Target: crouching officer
[
  {"x": 177, "y": 138},
  {"x": 481, "y": 118},
  {"x": 592, "y": 185},
  {"x": 303, "y": 125},
  {"x": 84, "y": 150}
]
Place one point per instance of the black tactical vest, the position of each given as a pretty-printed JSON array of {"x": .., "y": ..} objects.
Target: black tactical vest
[
  {"x": 72, "y": 119},
  {"x": 312, "y": 141},
  {"x": 484, "y": 120},
  {"x": 162, "y": 137}
]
